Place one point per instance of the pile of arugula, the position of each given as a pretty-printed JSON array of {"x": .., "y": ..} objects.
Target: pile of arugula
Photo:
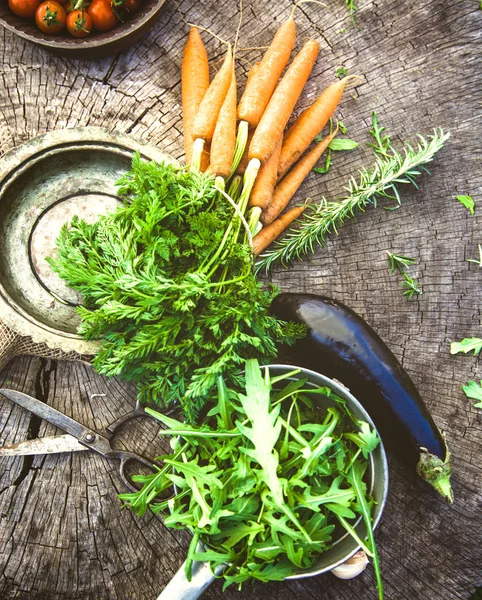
[
  {"x": 268, "y": 482},
  {"x": 168, "y": 285}
]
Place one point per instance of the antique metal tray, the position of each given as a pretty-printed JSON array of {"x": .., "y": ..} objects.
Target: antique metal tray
[{"x": 43, "y": 184}]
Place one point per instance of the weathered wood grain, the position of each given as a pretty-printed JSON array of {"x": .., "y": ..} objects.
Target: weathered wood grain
[{"x": 62, "y": 531}]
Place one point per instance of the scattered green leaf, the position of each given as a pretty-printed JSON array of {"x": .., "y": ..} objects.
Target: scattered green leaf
[
  {"x": 341, "y": 72},
  {"x": 466, "y": 345},
  {"x": 397, "y": 260},
  {"x": 343, "y": 144},
  {"x": 468, "y": 202},
  {"x": 474, "y": 391},
  {"x": 410, "y": 285}
]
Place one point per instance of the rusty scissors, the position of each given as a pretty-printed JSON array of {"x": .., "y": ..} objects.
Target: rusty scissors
[{"x": 78, "y": 436}]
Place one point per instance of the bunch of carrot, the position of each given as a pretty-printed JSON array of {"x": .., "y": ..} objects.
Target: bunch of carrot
[{"x": 274, "y": 161}]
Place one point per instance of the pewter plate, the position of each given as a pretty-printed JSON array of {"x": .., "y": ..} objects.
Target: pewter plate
[{"x": 43, "y": 184}]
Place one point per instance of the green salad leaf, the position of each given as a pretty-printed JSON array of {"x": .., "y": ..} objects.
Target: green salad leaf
[{"x": 277, "y": 472}]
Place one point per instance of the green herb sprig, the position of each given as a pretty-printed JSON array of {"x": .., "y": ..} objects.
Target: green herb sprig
[
  {"x": 391, "y": 169},
  {"x": 410, "y": 285},
  {"x": 266, "y": 481},
  {"x": 168, "y": 286}
]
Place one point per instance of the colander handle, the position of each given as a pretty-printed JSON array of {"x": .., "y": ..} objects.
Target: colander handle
[{"x": 179, "y": 588}]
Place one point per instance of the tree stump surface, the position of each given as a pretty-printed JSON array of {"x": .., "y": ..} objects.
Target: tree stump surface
[{"x": 63, "y": 534}]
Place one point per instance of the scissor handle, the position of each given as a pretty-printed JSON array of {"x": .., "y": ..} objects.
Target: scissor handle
[
  {"x": 127, "y": 457},
  {"x": 138, "y": 411}
]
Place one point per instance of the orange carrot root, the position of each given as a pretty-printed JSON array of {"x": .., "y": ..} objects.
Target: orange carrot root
[
  {"x": 309, "y": 124},
  {"x": 282, "y": 102},
  {"x": 288, "y": 186},
  {"x": 261, "y": 85},
  {"x": 194, "y": 83},
  {"x": 207, "y": 115},
  {"x": 224, "y": 137},
  {"x": 265, "y": 182},
  {"x": 272, "y": 231}
]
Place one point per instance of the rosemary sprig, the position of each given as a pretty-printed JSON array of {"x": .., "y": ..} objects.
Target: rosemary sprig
[
  {"x": 410, "y": 286},
  {"x": 381, "y": 181},
  {"x": 399, "y": 261}
]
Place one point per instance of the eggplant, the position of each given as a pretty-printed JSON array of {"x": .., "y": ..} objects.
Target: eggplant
[{"x": 341, "y": 345}]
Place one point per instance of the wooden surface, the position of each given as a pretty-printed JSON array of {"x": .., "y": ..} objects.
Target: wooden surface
[{"x": 62, "y": 531}]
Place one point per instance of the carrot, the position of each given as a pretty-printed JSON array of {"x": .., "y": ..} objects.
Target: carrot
[
  {"x": 224, "y": 138},
  {"x": 261, "y": 84},
  {"x": 286, "y": 189},
  {"x": 252, "y": 72},
  {"x": 243, "y": 163},
  {"x": 194, "y": 83},
  {"x": 207, "y": 115},
  {"x": 269, "y": 233},
  {"x": 309, "y": 124},
  {"x": 282, "y": 102},
  {"x": 262, "y": 191}
]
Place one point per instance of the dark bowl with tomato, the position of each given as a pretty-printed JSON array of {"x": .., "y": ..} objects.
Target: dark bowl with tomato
[{"x": 98, "y": 44}]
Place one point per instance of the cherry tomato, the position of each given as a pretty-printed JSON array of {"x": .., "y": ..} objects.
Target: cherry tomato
[
  {"x": 102, "y": 15},
  {"x": 79, "y": 23},
  {"x": 132, "y": 6},
  {"x": 24, "y": 8},
  {"x": 50, "y": 17}
]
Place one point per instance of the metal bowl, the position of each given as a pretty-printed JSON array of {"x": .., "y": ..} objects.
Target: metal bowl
[
  {"x": 43, "y": 184},
  {"x": 344, "y": 546},
  {"x": 96, "y": 45}
]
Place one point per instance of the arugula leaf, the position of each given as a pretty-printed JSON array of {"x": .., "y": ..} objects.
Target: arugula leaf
[
  {"x": 263, "y": 483},
  {"x": 474, "y": 390},
  {"x": 468, "y": 202},
  {"x": 343, "y": 144},
  {"x": 466, "y": 345}
]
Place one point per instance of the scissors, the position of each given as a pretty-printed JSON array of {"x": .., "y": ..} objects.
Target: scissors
[{"x": 79, "y": 437}]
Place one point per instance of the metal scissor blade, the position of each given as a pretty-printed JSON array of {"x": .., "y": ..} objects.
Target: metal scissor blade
[
  {"x": 47, "y": 445},
  {"x": 46, "y": 412}
]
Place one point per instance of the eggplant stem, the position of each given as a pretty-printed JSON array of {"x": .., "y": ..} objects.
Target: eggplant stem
[{"x": 436, "y": 472}]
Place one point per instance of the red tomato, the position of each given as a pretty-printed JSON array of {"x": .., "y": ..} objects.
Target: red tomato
[
  {"x": 50, "y": 17},
  {"x": 102, "y": 15},
  {"x": 79, "y": 23},
  {"x": 24, "y": 8},
  {"x": 132, "y": 6}
]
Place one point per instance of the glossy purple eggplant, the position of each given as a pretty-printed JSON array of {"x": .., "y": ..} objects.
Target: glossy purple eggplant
[{"x": 341, "y": 345}]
